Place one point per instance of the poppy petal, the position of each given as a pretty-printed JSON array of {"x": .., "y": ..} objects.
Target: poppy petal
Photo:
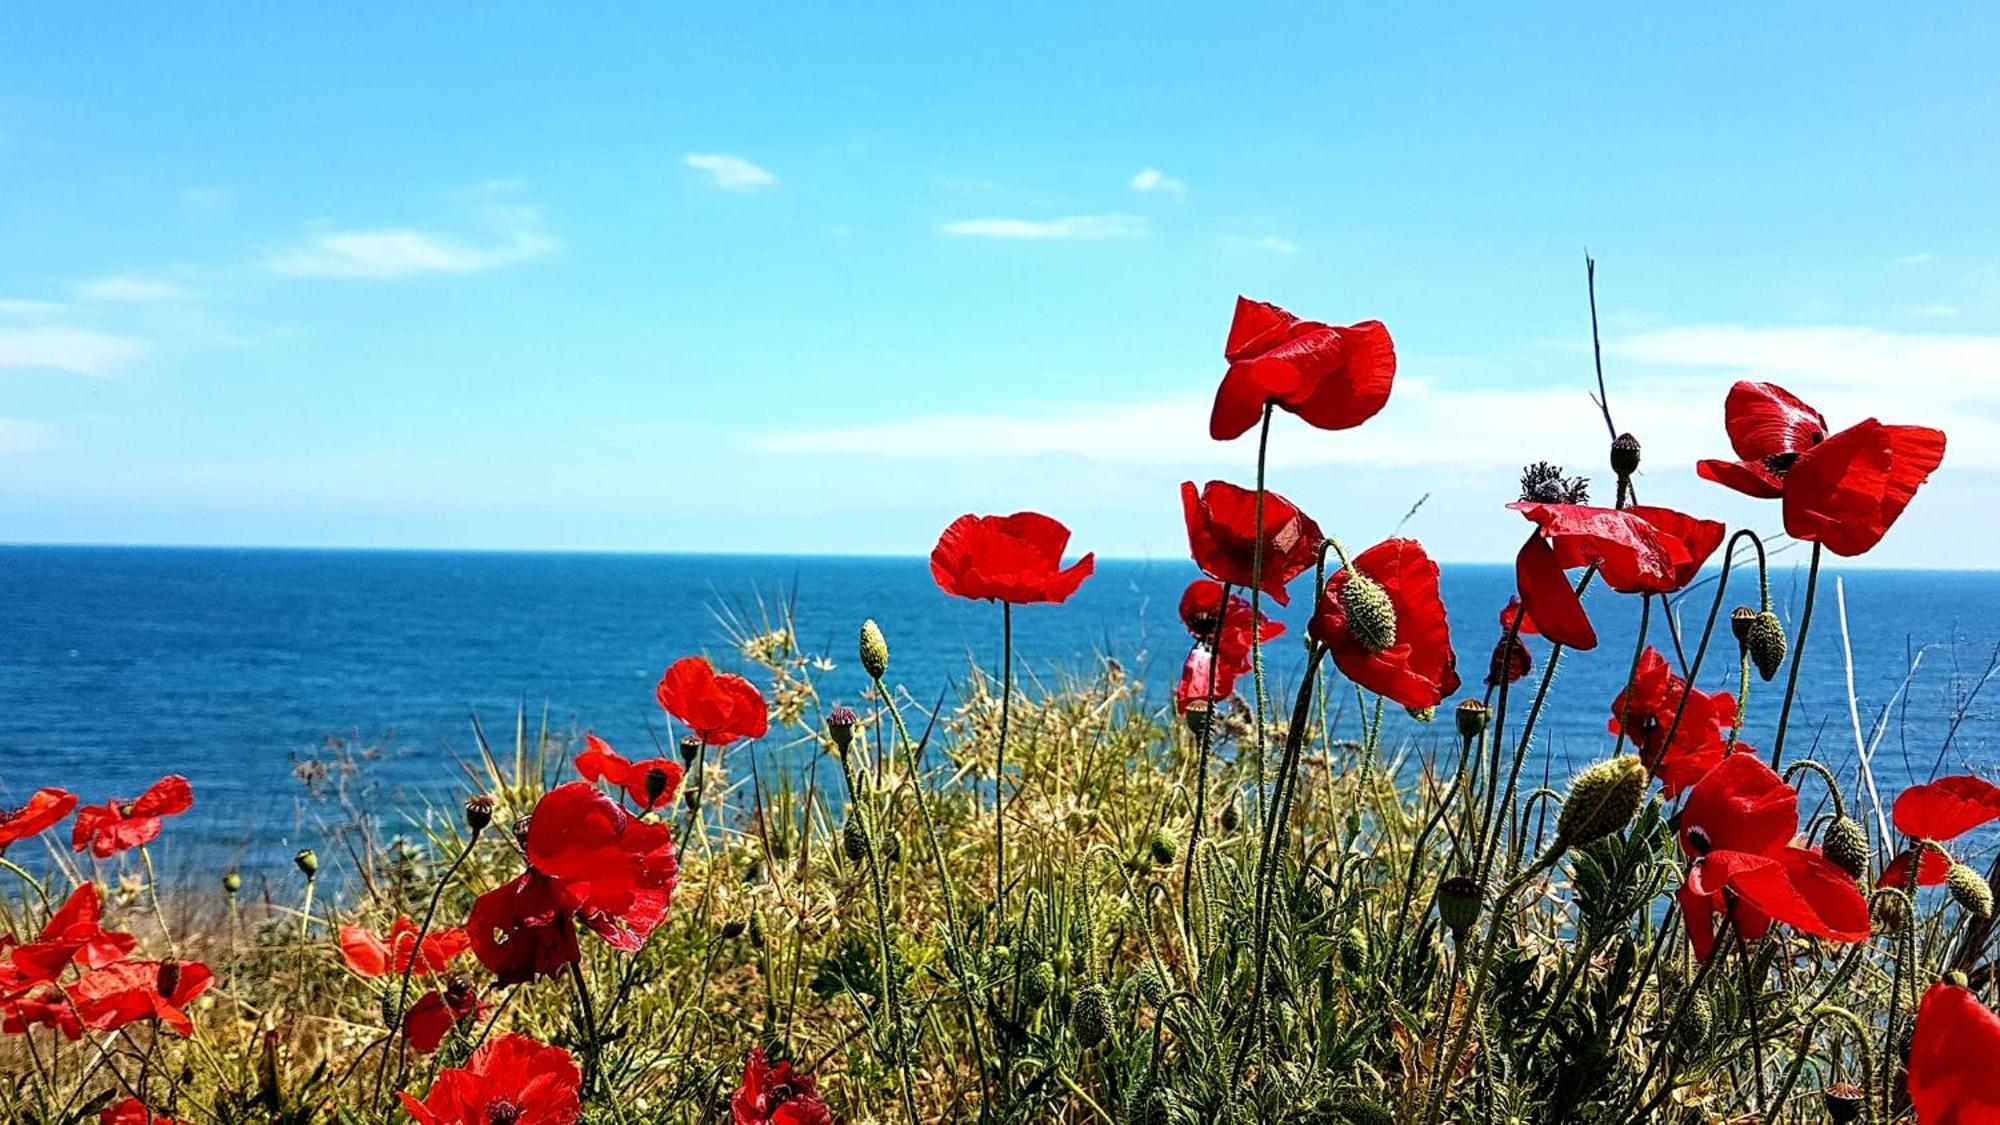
[
  {"x": 1751, "y": 478},
  {"x": 1547, "y": 595},
  {"x": 1766, "y": 420},
  {"x": 1946, "y": 808},
  {"x": 1846, "y": 492},
  {"x": 1952, "y": 1051},
  {"x": 1742, "y": 805},
  {"x": 1359, "y": 388}
]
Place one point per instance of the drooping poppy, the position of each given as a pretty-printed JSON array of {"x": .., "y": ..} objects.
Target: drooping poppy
[
  {"x": 121, "y": 825},
  {"x": 132, "y": 1111},
  {"x": 511, "y": 1079},
  {"x": 1952, "y": 1079},
  {"x": 436, "y": 1012},
  {"x": 400, "y": 953},
  {"x": 1511, "y": 659},
  {"x": 1331, "y": 378},
  {"x": 1737, "y": 827},
  {"x": 1417, "y": 669},
  {"x": 1644, "y": 712},
  {"x": 718, "y": 706},
  {"x": 1223, "y": 636},
  {"x": 776, "y": 1095},
  {"x": 1015, "y": 559},
  {"x": 650, "y": 784},
  {"x": 43, "y": 809},
  {"x": 75, "y": 932},
  {"x": 107, "y": 999},
  {"x": 1842, "y": 490},
  {"x": 1636, "y": 550},
  {"x": 1938, "y": 812},
  {"x": 1223, "y": 537}
]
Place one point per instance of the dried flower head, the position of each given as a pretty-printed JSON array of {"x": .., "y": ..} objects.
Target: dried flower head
[{"x": 1544, "y": 483}]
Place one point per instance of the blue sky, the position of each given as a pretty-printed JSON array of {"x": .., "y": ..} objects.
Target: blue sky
[{"x": 814, "y": 279}]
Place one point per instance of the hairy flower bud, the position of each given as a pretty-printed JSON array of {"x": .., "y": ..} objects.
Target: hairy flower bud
[
  {"x": 854, "y": 839},
  {"x": 1038, "y": 982},
  {"x": 232, "y": 882},
  {"x": 1458, "y": 904},
  {"x": 731, "y": 930},
  {"x": 1471, "y": 716},
  {"x": 1845, "y": 844},
  {"x": 1371, "y": 616},
  {"x": 478, "y": 812},
  {"x": 1970, "y": 891},
  {"x": 1602, "y": 799},
  {"x": 1696, "y": 1024},
  {"x": 1228, "y": 819},
  {"x": 307, "y": 861},
  {"x": 1090, "y": 1014},
  {"x": 1767, "y": 644},
  {"x": 1163, "y": 846},
  {"x": 874, "y": 650},
  {"x": 1625, "y": 455},
  {"x": 1152, "y": 982}
]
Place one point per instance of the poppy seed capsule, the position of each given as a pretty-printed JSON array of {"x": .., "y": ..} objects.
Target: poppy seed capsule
[
  {"x": 1090, "y": 1014},
  {"x": 1767, "y": 644},
  {"x": 478, "y": 812},
  {"x": 1198, "y": 718},
  {"x": 1970, "y": 891},
  {"x": 307, "y": 861},
  {"x": 1739, "y": 625},
  {"x": 1625, "y": 455},
  {"x": 690, "y": 747},
  {"x": 840, "y": 727},
  {"x": 1845, "y": 845},
  {"x": 1844, "y": 1103},
  {"x": 1371, "y": 616},
  {"x": 1602, "y": 799},
  {"x": 656, "y": 785},
  {"x": 874, "y": 650},
  {"x": 1458, "y": 904},
  {"x": 1471, "y": 717},
  {"x": 232, "y": 882}
]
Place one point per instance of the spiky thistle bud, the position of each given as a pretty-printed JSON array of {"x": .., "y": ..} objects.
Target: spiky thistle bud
[
  {"x": 1422, "y": 714},
  {"x": 840, "y": 723},
  {"x": 874, "y": 650},
  {"x": 478, "y": 812},
  {"x": 1846, "y": 845},
  {"x": 1602, "y": 799},
  {"x": 1090, "y": 1014},
  {"x": 1471, "y": 716},
  {"x": 1162, "y": 846},
  {"x": 1038, "y": 983},
  {"x": 1844, "y": 1102},
  {"x": 854, "y": 838},
  {"x": 1625, "y": 455},
  {"x": 1371, "y": 616},
  {"x": 1970, "y": 891},
  {"x": 231, "y": 882},
  {"x": 1767, "y": 644},
  {"x": 307, "y": 861},
  {"x": 1458, "y": 904},
  {"x": 1152, "y": 982}
]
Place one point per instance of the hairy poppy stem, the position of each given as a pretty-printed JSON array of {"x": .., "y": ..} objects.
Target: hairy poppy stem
[
  {"x": 1798, "y": 657},
  {"x": 401, "y": 1013},
  {"x": 1000, "y": 760},
  {"x": 1665, "y": 1042},
  {"x": 1204, "y": 739},
  {"x": 1256, "y": 604},
  {"x": 878, "y": 886}
]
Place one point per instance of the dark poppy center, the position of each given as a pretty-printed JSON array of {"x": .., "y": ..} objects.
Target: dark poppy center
[
  {"x": 503, "y": 1111},
  {"x": 1697, "y": 838},
  {"x": 780, "y": 1094},
  {"x": 656, "y": 786},
  {"x": 1779, "y": 463}
]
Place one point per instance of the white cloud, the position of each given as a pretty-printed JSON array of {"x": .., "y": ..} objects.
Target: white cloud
[
  {"x": 515, "y": 235},
  {"x": 76, "y": 350},
  {"x": 1073, "y": 227},
  {"x": 129, "y": 290},
  {"x": 730, "y": 173},
  {"x": 1261, "y": 244},
  {"x": 1152, "y": 179},
  {"x": 1937, "y": 312}
]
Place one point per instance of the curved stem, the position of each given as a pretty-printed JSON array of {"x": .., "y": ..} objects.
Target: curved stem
[{"x": 1798, "y": 658}]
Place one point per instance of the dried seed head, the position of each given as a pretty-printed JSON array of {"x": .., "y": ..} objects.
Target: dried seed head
[
  {"x": 232, "y": 882},
  {"x": 1471, "y": 717},
  {"x": 478, "y": 812},
  {"x": 307, "y": 861},
  {"x": 1625, "y": 455},
  {"x": 1844, "y": 1102},
  {"x": 1846, "y": 845},
  {"x": 1767, "y": 644},
  {"x": 1090, "y": 1014},
  {"x": 1371, "y": 616},
  {"x": 874, "y": 650},
  {"x": 1739, "y": 624},
  {"x": 1602, "y": 799},
  {"x": 1544, "y": 483},
  {"x": 1970, "y": 891},
  {"x": 1458, "y": 902}
]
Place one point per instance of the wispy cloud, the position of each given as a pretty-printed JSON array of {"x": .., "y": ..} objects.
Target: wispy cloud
[
  {"x": 1072, "y": 227},
  {"x": 127, "y": 289},
  {"x": 515, "y": 233},
  {"x": 730, "y": 173},
  {"x": 1261, "y": 244},
  {"x": 1152, "y": 179},
  {"x": 1921, "y": 258},
  {"x": 77, "y": 350}
]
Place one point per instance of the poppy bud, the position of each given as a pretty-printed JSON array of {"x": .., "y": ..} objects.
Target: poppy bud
[
  {"x": 1471, "y": 717},
  {"x": 1422, "y": 714},
  {"x": 692, "y": 798},
  {"x": 1889, "y": 913},
  {"x": 1957, "y": 978},
  {"x": 1696, "y": 1023},
  {"x": 1162, "y": 846},
  {"x": 1198, "y": 719},
  {"x": 1353, "y": 949},
  {"x": 690, "y": 747},
  {"x": 1767, "y": 644},
  {"x": 1037, "y": 983},
  {"x": 874, "y": 650},
  {"x": 479, "y": 812},
  {"x": 1625, "y": 455},
  {"x": 1739, "y": 624},
  {"x": 1602, "y": 799},
  {"x": 1228, "y": 819},
  {"x": 232, "y": 882},
  {"x": 840, "y": 727},
  {"x": 1090, "y": 1014},
  {"x": 1970, "y": 891},
  {"x": 756, "y": 929},
  {"x": 656, "y": 786},
  {"x": 854, "y": 839},
  {"x": 1844, "y": 1103},
  {"x": 1152, "y": 982},
  {"x": 1458, "y": 904},
  {"x": 892, "y": 846},
  {"x": 1371, "y": 616},
  {"x": 731, "y": 930},
  {"x": 308, "y": 862},
  {"x": 169, "y": 978},
  {"x": 1846, "y": 845}
]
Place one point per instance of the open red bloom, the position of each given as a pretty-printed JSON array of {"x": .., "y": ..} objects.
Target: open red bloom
[
  {"x": 1938, "y": 811},
  {"x": 1227, "y": 627},
  {"x": 1331, "y": 378},
  {"x": 1636, "y": 550},
  {"x": 717, "y": 706},
  {"x": 650, "y": 784},
  {"x": 1418, "y": 669},
  {"x": 1223, "y": 536},
  {"x": 1952, "y": 1078},
  {"x": 1841, "y": 490},
  {"x": 132, "y": 1111},
  {"x": 371, "y": 956},
  {"x": 1644, "y": 712},
  {"x": 1015, "y": 559},
  {"x": 775, "y": 1095},
  {"x": 44, "y": 808},
  {"x": 121, "y": 825},
  {"x": 511, "y": 1079},
  {"x": 436, "y": 1012},
  {"x": 520, "y": 931},
  {"x": 1738, "y": 826},
  {"x": 107, "y": 999},
  {"x": 73, "y": 933}
]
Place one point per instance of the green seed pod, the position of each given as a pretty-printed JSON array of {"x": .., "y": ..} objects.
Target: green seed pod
[
  {"x": 1625, "y": 455},
  {"x": 1471, "y": 717},
  {"x": 1970, "y": 891},
  {"x": 1458, "y": 902},
  {"x": 1602, "y": 800},
  {"x": 1371, "y": 616},
  {"x": 1090, "y": 1014},
  {"x": 1198, "y": 719},
  {"x": 1162, "y": 846},
  {"x": 232, "y": 882},
  {"x": 1038, "y": 983},
  {"x": 1152, "y": 982},
  {"x": 1767, "y": 644},
  {"x": 307, "y": 861},
  {"x": 874, "y": 650},
  {"x": 1353, "y": 949},
  {"x": 854, "y": 838},
  {"x": 1846, "y": 845}
]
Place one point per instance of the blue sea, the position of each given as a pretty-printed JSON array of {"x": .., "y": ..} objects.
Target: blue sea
[{"x": 230, "y": 666}]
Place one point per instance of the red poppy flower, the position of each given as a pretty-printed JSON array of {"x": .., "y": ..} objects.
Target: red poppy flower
[
  {"x": 1511, "y": 659},
  {"x": 1223, "y": 533},
  {"x": 436, "y": 1012},
  {"x": 73, "y": 933},
  {"x": 1938, "y": 811},
  {"x": 719, "y": 707},
  {"x": 650, "y": 784},
  {"x": 1737, "y": 826},
  {"x": 1015, "y": 559},
  {"x": 1331, "y": 378},
  {"x": 1841, "y": 490},
  {"x": 1227, "y": 627},
  {"x": 776, "y": 1095},
  {"x": 1952, "y": 1079},
  {"x": 371, "y": 956},
  {"x": 107, "y": 999},
  {"x": 122, "y": 825},
  {"x": 1636, "y": 550},
  {"x": 520, "y": 931},
  {"x": 1644, "y": 712},
  {"x": 44, "y": 808},
  {"x": 510, "y": 1079},
  {"x": 1418, "y": 669},
  {"x": 132, "y": 1111},
  {"x": 1204, "y": 680}
]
